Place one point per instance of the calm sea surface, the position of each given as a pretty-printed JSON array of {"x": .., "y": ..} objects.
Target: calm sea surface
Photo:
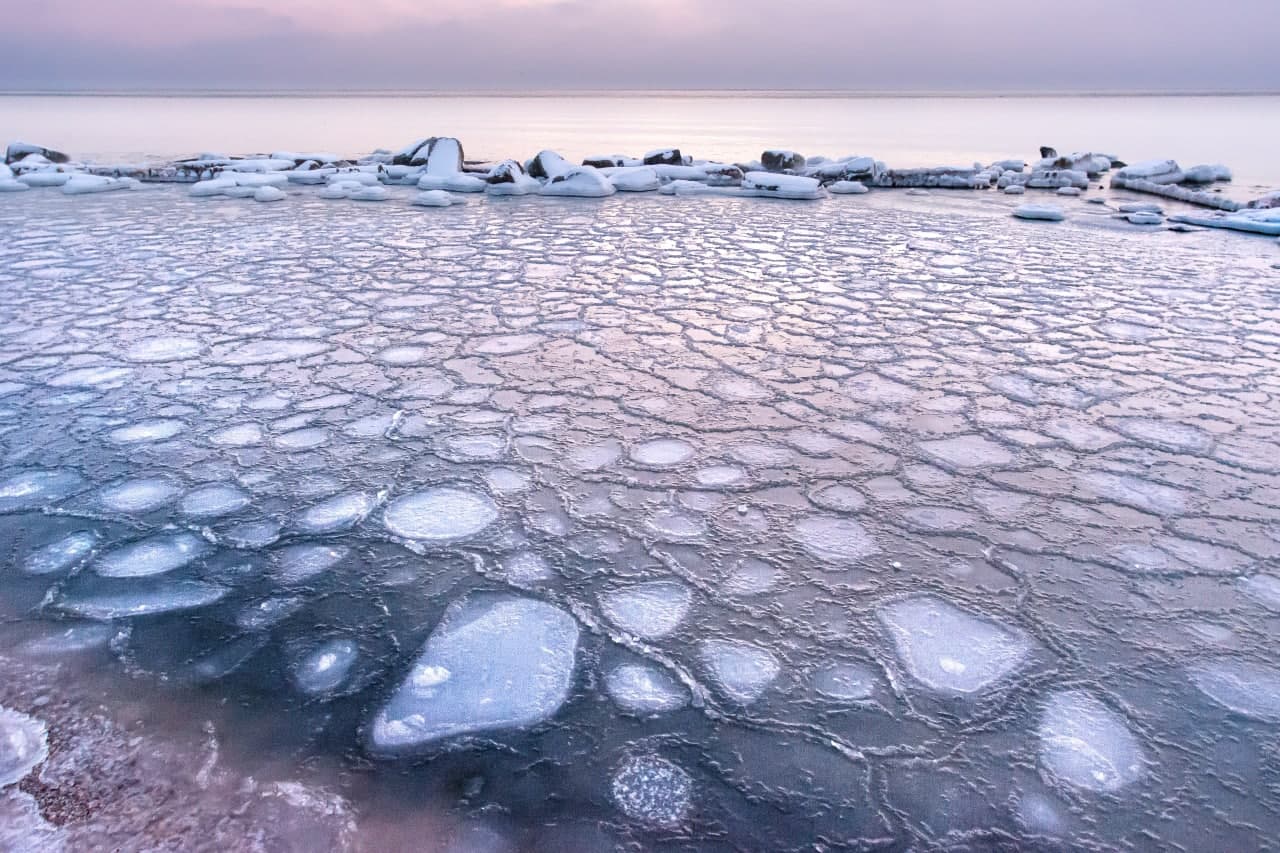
[{"x": 904, "y": 131}]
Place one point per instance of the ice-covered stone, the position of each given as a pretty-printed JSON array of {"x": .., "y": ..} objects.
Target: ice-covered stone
[
  {"x": 776, "y": 160},
  {"x": 492, "y": 663},
  {"x": 848, "y": 188},
  {"x": 580, "y": 181},
  {"x": 155, "y": 555},
  {"x": 546, "y": 165},
  {"x": 440, "y": 514},
  {"x": 24, "y": 743},
  {"x": 648, "y": 610},
  {"x": 741, "y": 670},
  {"x": 1085, "y": 744},
  {"x": 644, "y": 689},
  {"x": 652, "y": 790},
  {"x": 1043, "y": 212},
  {"x": 1247, "y": 688},
  {"x": 435, "y": 198},
  {"x": 949, "y": 650},
  {"x": 263, "y": 194},
  {"x": 641, "y": 179},
  {"x": 770, "y": 185}
]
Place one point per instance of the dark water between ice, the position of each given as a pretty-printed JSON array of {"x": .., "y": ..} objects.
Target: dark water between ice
[
  {"x": 902, "y": 131},
  {"x": 921, "y": 526}
]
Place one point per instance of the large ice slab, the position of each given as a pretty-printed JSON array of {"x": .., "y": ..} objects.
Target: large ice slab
[
  {"x": 949, "y": 650},
  {"x": 1085, "y": 744},
  {"x": 143, "y": 601},
  {"x": 36, "y": 488},
  {"x": 649, "y": 610},
  {"x": 492, "y": 663},
  {"x": 440, "y": 514},
  {"x": 1247, "y": 688},
  {"x": 742, "y": 671}
]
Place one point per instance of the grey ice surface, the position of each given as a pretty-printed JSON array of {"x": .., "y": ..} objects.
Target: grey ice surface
[{"x": 705, "y": 523}]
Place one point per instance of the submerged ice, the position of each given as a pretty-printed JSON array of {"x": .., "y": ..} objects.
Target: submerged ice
[{"x": 491, "y": 664}]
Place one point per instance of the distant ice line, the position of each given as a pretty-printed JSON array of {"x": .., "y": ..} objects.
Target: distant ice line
[{"x": 436, "y": 166}]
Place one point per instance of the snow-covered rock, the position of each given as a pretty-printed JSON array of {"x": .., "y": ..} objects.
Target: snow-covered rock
[
  {"x": 86, "y": 184},
  {"x": 1143, "y": 217},
  {"x": 936, "y": 177},
  {"x": 686, "y": 188},
  {"x": 20, "y": 150},
  {"x": 435, "y": 198},
  {"x": 581, "y": 181},
  {"x": 1052, "y": 179},
  {"x": 847, "y": 188},
  {"x": 369, "y": 193},
  {"x": 1044, "y": 212},
  {"x": 1207, "y": 174},
  {"x": 546, "y": 165},
  {"x": 267, "y": 194},
  {"x": 44, "y": 177},
  {"x": 865, "y": 170},
  {"x": 635, "y": 179},
  {"x": 610, "y": 161},
  {"x": 1015, "y": 189},
  {"x": 1069, "y": 191},
  {"x": 776, "y": 160},
  {"x": 509, "y": 178},
  {"x": 1151, "y": 171},
  {"x": 9, "y": 185},
  {"x": 770, "y": 185},
  {"x": 492, "y": 663},
  {"x": 665, "y": 157}
]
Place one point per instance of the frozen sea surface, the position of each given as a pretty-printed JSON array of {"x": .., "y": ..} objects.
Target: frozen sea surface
[{"x": 676, "y": 523}]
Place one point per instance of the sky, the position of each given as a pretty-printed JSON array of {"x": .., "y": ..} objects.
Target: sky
[{"x": 435, "y": 45}]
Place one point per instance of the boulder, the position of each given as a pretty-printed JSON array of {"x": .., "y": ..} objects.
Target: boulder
[
  {"x": 775, "y": 160},
  {"x": 546, "y": 165},
  {"x": 405, "y": 156},
  {"x": 665, "y": 157},
  {"x": 506, "y": 172},
  {"x": 17, "y": 150}
]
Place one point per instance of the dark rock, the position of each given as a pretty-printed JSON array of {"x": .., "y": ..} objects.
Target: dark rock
[
  {"x": 606, "y": 162},
  {"x": 723, "y": 175},
  {"x": 404, "y": 157},
  {"x": 505, "y": 172},
  {"x": 547, "y": 164},
  {"x": 664, "y": 157},
  {"x": 1046, "y": 152},
  {"x": 782, "y": 161},
  {"x": 18, "y": 150}
]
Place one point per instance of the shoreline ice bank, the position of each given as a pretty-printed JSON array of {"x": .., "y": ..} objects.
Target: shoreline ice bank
[{"x": 438, "y": 164}]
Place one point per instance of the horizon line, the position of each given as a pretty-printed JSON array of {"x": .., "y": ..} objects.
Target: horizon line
[{"x": 681, "y": 92}]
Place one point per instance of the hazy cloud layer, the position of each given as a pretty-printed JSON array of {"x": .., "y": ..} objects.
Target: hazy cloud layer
[{"x": 531, "y": 44}]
